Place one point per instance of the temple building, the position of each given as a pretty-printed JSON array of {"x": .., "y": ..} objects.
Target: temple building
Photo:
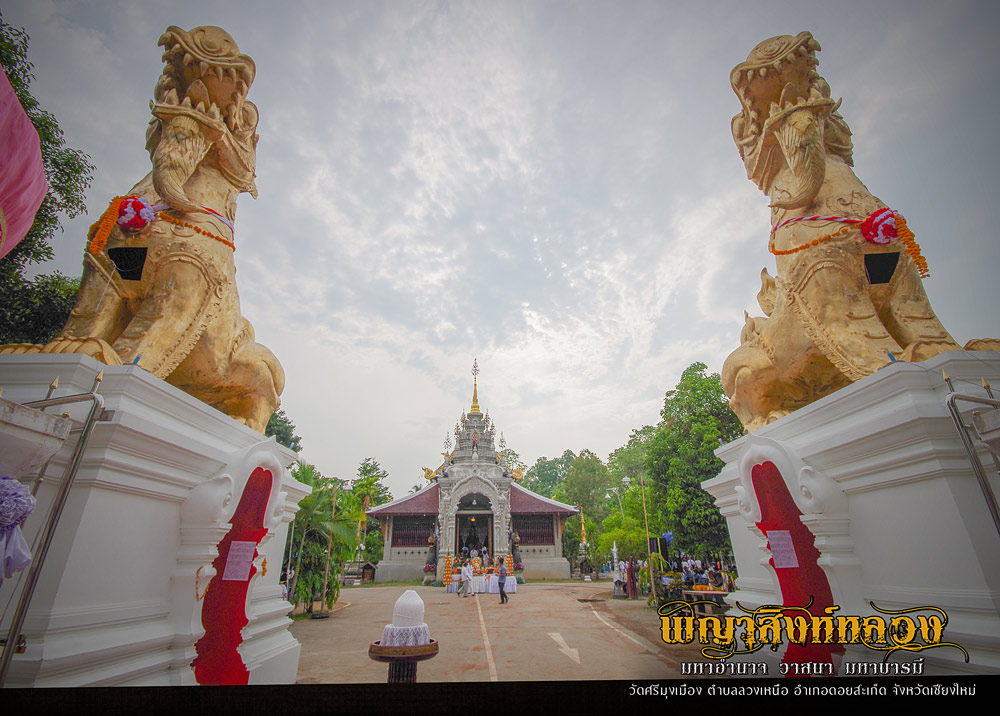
[{"x": 473, "y": 502}]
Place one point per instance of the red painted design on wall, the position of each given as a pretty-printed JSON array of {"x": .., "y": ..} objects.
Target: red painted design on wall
[
  {"x": 806, "y": 581},
  {"x": 223, "y": 612}
]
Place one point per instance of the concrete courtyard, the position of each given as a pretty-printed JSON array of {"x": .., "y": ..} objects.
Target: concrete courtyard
[{"x": 546, "y": 632}]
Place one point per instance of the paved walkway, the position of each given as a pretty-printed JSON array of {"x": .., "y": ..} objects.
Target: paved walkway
[{"x": 544, "y": 633}]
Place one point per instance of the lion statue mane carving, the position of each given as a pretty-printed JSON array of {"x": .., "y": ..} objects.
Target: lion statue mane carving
[
  {"x": 164, "y": 295},
  {"x": 841, "y": 302}
]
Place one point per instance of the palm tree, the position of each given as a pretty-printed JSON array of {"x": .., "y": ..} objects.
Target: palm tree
[
  {"x": 328, "y": 514},
  {"x": 341, "y": 539},
  {"x": 309, "y": 508}
]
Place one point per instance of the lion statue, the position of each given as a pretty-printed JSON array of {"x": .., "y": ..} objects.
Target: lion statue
[
  {"x": 848, "y": 298},
  {"x": 159, "y": 280}
]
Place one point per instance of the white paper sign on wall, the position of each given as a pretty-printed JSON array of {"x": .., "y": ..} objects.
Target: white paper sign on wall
[
  {"x": 238, "y": 562},
  {"x": 782, "y": 549}
]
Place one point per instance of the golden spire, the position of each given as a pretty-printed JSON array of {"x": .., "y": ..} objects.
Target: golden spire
[{"x": 475, "y": 388}]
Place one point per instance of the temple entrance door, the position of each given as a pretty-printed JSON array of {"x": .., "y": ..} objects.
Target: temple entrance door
[
  {"x": 471, "y": 529},
  {"x": 474, "y": 523}
]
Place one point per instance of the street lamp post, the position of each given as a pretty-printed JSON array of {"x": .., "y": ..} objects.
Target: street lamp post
[{"x": 645, "y": 517}]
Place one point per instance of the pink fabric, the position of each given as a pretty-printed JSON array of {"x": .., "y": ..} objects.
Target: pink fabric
[{"x": 22, "y": 174}]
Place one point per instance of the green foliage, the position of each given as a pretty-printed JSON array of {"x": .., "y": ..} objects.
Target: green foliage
[
  {"x": 68, "y": 172},
  {"x": 586, "y": 483},
  {"x": 513, "y": 460},
  {"x": 283, "y": 431},
  {"x": 34, "y": 311},
  {"x": 681, "y": 455},
  {"x": 370, "y": 482},
  {"x": 325, "y": 535},
  {"x": 545, "y": 476},
  {"x": 571, "y": 537},
  {"x": 374, "y": 543},
  {"x": 629, "y": 461},
  {"x": 627, "y": 534}
]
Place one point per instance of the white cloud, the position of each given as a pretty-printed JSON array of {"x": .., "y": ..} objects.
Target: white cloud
[{"x": 554, "y": 192}]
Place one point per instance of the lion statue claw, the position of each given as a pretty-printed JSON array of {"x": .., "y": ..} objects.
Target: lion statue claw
[
  {"x": 848, "y": 298},
  {"x": 159, "y": 280}
]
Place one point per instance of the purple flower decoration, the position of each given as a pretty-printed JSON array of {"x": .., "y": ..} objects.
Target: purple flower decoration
[{"x": 16, "y": 503}]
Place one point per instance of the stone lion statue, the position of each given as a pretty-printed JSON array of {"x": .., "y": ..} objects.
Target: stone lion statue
[
  {"x": 848, "y": 298},
  {"x": 158, "y": 285}
]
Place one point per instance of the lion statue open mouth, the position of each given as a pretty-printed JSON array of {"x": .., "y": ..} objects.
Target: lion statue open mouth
[
  {"x": 158, "y": 285},
  {"x": 848, "y": 298}
]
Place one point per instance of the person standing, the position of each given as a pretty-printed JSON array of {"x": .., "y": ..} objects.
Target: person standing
[
  {"x": 467, "y": 580},
  {"x": 501, "y": 581}
]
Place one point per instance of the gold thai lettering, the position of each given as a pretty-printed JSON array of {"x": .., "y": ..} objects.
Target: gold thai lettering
[
  {"x": 848, "y": 629},
  {"x": 797, "y": 629},
  {"x": 873, "y": 631},
  {"x": 769, "y": 624},
  {"x": 822, "y": 628},
  {"x": 931, "y": 628},
  {"x": 676, "y": 629}
]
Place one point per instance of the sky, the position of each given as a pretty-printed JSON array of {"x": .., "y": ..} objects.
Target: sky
[{"x": 549, "y": 188}]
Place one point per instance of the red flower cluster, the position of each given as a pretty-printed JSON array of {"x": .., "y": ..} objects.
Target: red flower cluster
[
  {"x": 880, "y": 227},
  {"x": 135, "y": 213}
]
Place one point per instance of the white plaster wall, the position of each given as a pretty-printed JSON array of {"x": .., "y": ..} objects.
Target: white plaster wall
[
  {"x": 880, "y": 475},
  {"x": 115, "y": 602}
]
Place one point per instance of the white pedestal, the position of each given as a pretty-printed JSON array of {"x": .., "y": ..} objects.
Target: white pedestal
[
  {"x": 882, "y": 480},
  {"x": 116, "y": 601}
]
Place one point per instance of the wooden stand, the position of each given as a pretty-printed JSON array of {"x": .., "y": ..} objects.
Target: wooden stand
[{"x": 402, "y": 660}]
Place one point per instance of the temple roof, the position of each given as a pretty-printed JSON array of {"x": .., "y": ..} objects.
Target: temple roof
[
  {"x": 425, "y": 502},
  {"x": 526, "y": 502},
  {"x": 422, "y": 502}
]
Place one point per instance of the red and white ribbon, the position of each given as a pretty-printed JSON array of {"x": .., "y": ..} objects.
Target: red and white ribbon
[
  {"x": 841, "y": 219},
  {"x": 217, "y": 215},
  {"x": 879, "y": 228}
]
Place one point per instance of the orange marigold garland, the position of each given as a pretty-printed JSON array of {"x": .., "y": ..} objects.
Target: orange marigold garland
[
  {"x": 167, "y": 217},
  {"x": 814, "y": 242},
  {"x": 912, "y": 247},
  {"x": 101, "y": 229}
]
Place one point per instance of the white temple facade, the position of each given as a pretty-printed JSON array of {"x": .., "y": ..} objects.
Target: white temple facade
[{"x": 473, "y": 499}]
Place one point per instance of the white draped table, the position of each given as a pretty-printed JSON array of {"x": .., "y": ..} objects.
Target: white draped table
[{"x": 493, "y": 585}]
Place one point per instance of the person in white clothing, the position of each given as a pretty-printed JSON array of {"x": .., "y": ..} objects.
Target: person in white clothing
[{"x": 467, "y": 580}]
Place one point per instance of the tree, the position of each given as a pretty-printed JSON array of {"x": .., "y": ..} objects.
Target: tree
[
  {"x": 33, "y": 311},
  {"x": 545, "y": 476},
  {"x": 325, "y": 531},
  {"x": 571, "y": 536},
  {"x": 370, "y": 483},
  {"x": 630, "y": 459},
  {"x": 513, "y": 460},
  {"x": 681, "y": 455},
  {"x": 628, "y": 534},
  {"x": 283, "y": 430},
  {"x": 586, "y": 484},
  {"x": 307, "y": 518}
]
